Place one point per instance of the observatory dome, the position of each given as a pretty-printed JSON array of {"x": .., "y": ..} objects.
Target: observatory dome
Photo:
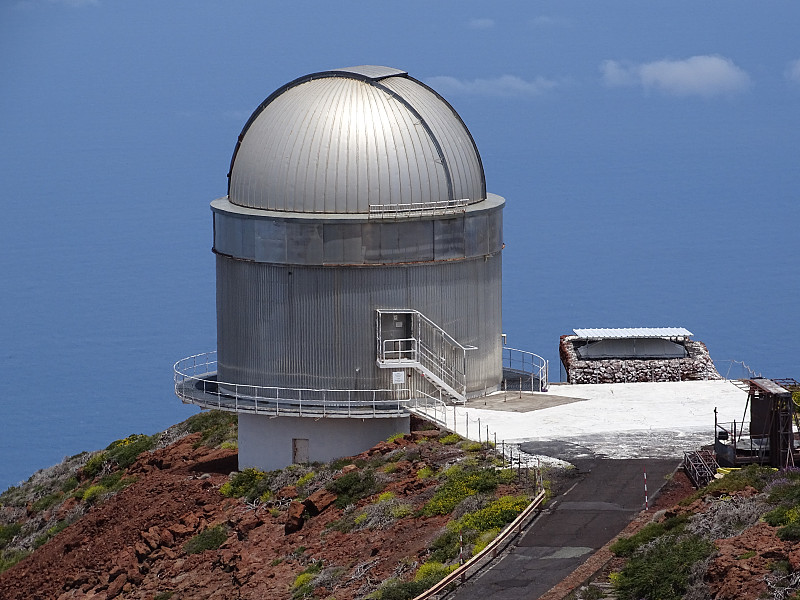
[{"x": 346, "y": 140}]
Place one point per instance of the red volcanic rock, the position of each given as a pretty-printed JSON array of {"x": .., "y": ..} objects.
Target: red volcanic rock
[
  {"x": 294, "y": 518},
  {"x": 319, "y": 501}
]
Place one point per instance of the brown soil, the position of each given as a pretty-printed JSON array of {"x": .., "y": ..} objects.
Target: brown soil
[{"x": 131, "y": 546}]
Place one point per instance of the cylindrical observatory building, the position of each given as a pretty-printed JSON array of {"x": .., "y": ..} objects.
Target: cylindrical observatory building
[{"x": 358, "y": 260}]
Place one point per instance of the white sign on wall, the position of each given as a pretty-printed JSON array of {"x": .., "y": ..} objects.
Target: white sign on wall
[{"x": 398, "y": 377}]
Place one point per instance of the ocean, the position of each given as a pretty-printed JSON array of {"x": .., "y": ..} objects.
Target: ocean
[{"x": 108, "y": 275}]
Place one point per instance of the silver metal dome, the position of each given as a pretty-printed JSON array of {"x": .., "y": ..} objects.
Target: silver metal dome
[{"x": 352, "y": 141}]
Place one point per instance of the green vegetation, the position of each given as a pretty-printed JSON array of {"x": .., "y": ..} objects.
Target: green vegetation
[
  {"x": 249, "y": 484},
  {"x": 216, "y": 427},
  {"x": 425, "y": 473},
  {"x": 460, "y": 483},
  {"x": 124, "y": 452},
  {"x": 303, "y": 586},
  {"x": 452, "y": 438},
  {"x": 7, "y": 533},
  {"x": 661, "y": 570},
  {"x": 428, "y": 575},
  {"x": 395, "y": 437},
  {"x": 751, "y": 475},
  {"x": 353, "y": 486},
  {"x": 9, "y": 559},
  {"x": 627, "y": 546},
  {"x": 498, "y": 513},
  {"x": 210, "y": 539}
]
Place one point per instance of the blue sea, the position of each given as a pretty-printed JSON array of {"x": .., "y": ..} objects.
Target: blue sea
[{"x": 108, "y": 275}]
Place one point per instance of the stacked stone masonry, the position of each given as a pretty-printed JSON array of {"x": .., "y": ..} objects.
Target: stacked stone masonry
[{"x": 696, "y": 366}]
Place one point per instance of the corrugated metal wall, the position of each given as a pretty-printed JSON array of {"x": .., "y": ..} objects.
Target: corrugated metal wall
[{"x": 314, "y": 326}]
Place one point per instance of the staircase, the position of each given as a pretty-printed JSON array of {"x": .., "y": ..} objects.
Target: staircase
[{"x": 408, "y": 339}]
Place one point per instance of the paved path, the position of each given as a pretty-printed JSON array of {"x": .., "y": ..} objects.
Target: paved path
[{"x": 601, "y": 503}]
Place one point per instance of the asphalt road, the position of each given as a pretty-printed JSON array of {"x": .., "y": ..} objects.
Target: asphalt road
[{"x": 602, "y": 501}]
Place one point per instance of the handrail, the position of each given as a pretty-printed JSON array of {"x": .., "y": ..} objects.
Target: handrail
[
  {"x": 491, "y": 548},
  {"x": 416, "y": 208},
  {"x": 195, "y": 383},
  {"x": 528, "y": 363},
  {"x": 432, "y": 348}
]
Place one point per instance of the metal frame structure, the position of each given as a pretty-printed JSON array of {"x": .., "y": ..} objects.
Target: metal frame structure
[
  {"x": 430, "y": 350},
  {"x": 737, "y": 444}
]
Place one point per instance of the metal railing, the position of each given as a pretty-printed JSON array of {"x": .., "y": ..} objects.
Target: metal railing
[
  {"x": 527, "y": 364},
  {"x": 196, "y": 383},
  {"x": 489, "y": 553},
  {"x": 428, "y": 348},
  {"x": 414, "y": 209}
]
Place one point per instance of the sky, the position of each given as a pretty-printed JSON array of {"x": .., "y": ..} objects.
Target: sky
[{"x": 647, "y": 153}]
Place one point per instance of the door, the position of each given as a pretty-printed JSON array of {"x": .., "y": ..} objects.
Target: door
[{"x": 299, "y": 451}]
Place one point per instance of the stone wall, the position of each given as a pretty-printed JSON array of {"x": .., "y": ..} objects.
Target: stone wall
[{"x": 696, "y": 366}]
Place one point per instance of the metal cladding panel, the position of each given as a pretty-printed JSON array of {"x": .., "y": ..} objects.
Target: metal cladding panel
[
  {"x": 449, "y": 238},
  {"x": 460, "y": 153},
  {"x": 333, "y": 143},
  {"x": 316, "y": 240},
  {"x": 314, "y": 327}
]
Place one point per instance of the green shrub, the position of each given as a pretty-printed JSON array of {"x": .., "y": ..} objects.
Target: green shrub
[
  {"x": 458, "y": 485},
  {"x": 353, "y": 486},
  {"x": 305, "y": 479},
  {"x": 94, "y": 465},
  {"x": 216, "y": 427},
  {"x": 9, "y": 559},
  {"x": 395, "y": 437},
  {"x": 210, "y": 539},
  {"x": 626, "y": 546},
  {"x": 93, "y": 493},
  {"x": 124, "y": 452},
  {"x": 789, "y": 532},
  {"x": 425, "y": 473},
  {"x": 249, "y": 484},
  {"x": 386, "y": 496},
  {"x": 498, "y": 513},
  {"x": 303, "y": 585},
  {"x": 447, "y": 546},
  {"x": 70, "y": 484},
  {"x": 7, "y": 533},
  {"x": 427, "y": 576},
  {"x": 484, "y": 538},
  {"x": 752, "y": 475},
  {"x": 401, "y": 511},
  {"x": 448, "y": 440},
  {"x": 46, "y": 501},
  {"x": 470, "y": 446},
  {"x": 433, "y": 570},
  {"x": 661, "y": 570}
]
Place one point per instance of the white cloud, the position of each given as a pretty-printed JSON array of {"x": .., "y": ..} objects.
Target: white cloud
[
  {"x": 481, "y": 23},
  {"x": 505, "y": 85},
  {"x": 793, "y": 71},
  {"x": 706, "y": 75}
]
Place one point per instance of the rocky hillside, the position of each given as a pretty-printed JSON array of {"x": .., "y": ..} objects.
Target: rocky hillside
[
  {"x": 163, "y": 516},
  {"x": 738, "y": 538}
]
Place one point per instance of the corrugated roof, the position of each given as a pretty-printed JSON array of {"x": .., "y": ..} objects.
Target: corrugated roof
[{"x": 632, "y": 332}]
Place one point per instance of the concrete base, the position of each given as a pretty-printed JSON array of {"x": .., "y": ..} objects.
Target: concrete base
[{"x": 274, "y": 443}]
